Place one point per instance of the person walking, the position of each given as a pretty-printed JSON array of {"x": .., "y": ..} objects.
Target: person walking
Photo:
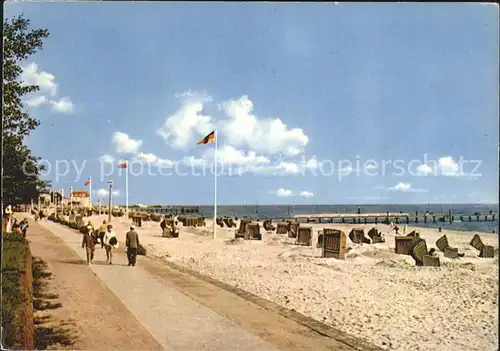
[
  {"x": 7, "y": 219},
  {"x": 405, "y": 228},
  {"x": 102, "y": 231},
  {"x": 110, "y": 242},
  {"x": 163, "y": 225},
  {"x": 24, "y": 226},
  {"x": 88, "y": 244},
  {"x": 132, "y": 243}
]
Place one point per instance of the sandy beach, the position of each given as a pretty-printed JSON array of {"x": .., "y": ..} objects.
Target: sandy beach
[{"x": 374, "y": 293}]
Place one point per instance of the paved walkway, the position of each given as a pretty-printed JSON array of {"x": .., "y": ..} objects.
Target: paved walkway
[
  {"x": 85, "y": 314},
  {"x": 176, "y": 321}
]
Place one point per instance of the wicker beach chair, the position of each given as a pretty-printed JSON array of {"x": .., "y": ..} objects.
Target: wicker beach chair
[
  {"x": 294, "y": 227},
  {"x": 485, "y": 251},
  {"x": 240, "y": 233},
  {"x": 283, "y": 227},
  {"x": 334, "y": 244},
  {"x": 304, "y": 236},
  {"x": 171, "y": 231},
  {"x": 357, "y": 236},
  {"x": 268, "y": 226},
  {"x": 417, "y": 250},
  {"x": 252, "y": 232}
]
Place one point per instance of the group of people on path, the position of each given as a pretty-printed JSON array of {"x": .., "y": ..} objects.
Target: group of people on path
[
  {"x": 20, "y": 226},
  {"x": 108, "y": 240},
  {"x": 11, "y": 223}
]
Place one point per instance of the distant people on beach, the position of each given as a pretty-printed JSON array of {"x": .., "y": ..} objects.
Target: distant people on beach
[
  {"x": 110, "y": 242},
  {"x": 396, "y": 229},
  {"x": 132, "y": 244},
  {"x": 405, "y": 228},
  {"x": 88, "y": 244},
  {"x": 439, "y": 230}
]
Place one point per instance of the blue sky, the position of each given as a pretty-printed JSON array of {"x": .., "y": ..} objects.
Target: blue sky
[{"x": 295, "y": 90}]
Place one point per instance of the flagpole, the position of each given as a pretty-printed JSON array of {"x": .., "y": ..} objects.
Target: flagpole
[
  {"x": 90, "y": 192},
  {"x": 215, "y": 185},
  {"x": 126, "y": 188}
]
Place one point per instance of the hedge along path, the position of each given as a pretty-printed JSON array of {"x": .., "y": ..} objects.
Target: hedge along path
[{"x": 17, "y": 294}]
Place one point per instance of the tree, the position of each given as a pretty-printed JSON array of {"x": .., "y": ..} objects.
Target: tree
[{"x": 20, "y": 169}]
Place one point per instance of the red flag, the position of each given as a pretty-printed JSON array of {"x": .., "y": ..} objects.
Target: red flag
[{"x": 122, "y": 165}]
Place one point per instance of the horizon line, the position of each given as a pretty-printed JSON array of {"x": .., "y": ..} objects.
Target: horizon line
[{"x": 322, "y": 204}]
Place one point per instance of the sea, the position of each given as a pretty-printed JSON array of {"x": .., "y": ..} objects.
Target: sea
[{"x": 289, "y": 211}]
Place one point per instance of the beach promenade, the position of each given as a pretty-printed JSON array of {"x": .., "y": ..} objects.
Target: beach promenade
[{"x": 172, "y": 310}]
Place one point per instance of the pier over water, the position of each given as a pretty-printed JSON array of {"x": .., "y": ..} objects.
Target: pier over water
[{"x": 397, "y": 218}]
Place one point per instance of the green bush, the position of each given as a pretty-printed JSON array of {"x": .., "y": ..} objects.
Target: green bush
[
  {"x": 15, "y": 293},
  {"x": 141, "y": 250}
]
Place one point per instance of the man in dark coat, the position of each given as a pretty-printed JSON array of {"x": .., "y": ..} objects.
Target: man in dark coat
[{"x": 132, "y": 243}]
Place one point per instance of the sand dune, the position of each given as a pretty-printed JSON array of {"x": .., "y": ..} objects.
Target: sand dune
[{"x": 374, "y": 293}]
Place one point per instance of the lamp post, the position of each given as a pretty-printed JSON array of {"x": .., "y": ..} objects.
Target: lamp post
[{"x": 110, "y": 182}]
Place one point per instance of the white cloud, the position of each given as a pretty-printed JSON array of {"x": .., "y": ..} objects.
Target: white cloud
[
  {"x": 46, "y": 81},
  {"x": 448, "y": 166},
  {"x": 64, "y": 105},
  {"x": 283, "y": 168},
  {"x": 227, "y": 158},
  {"x": 306, "y": 194},
  {"x": 188, "y": 124},
  {"x": 152, "y": 159},
  {"x": 36, "y": 101},
  {"x": 124, "y": 144},
  {"x": 425, "y": 169},
  {"x": 270, "y": 136},
  {"x": 148, "y": 158},
  {"x": 230, "y": 155},
  {"x": 404, "y": 187},
  {"x": 401, "y": 186},
  {"x": 282, "y": 192},
  {"x": 105, "y": 192},
  {"x": 107, "y": 159}
]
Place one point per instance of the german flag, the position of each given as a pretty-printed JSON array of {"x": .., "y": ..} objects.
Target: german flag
[
  {"x": 123, "y": 165},
  {"x": 88, "y": 182},
  {"x": 210, "y": 138}
]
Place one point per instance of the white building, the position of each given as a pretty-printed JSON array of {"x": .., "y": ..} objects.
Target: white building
[{"x": 78, "y": 198}]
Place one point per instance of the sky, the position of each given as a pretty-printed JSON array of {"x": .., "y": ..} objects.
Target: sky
[{"x": 312, "y": 103}]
